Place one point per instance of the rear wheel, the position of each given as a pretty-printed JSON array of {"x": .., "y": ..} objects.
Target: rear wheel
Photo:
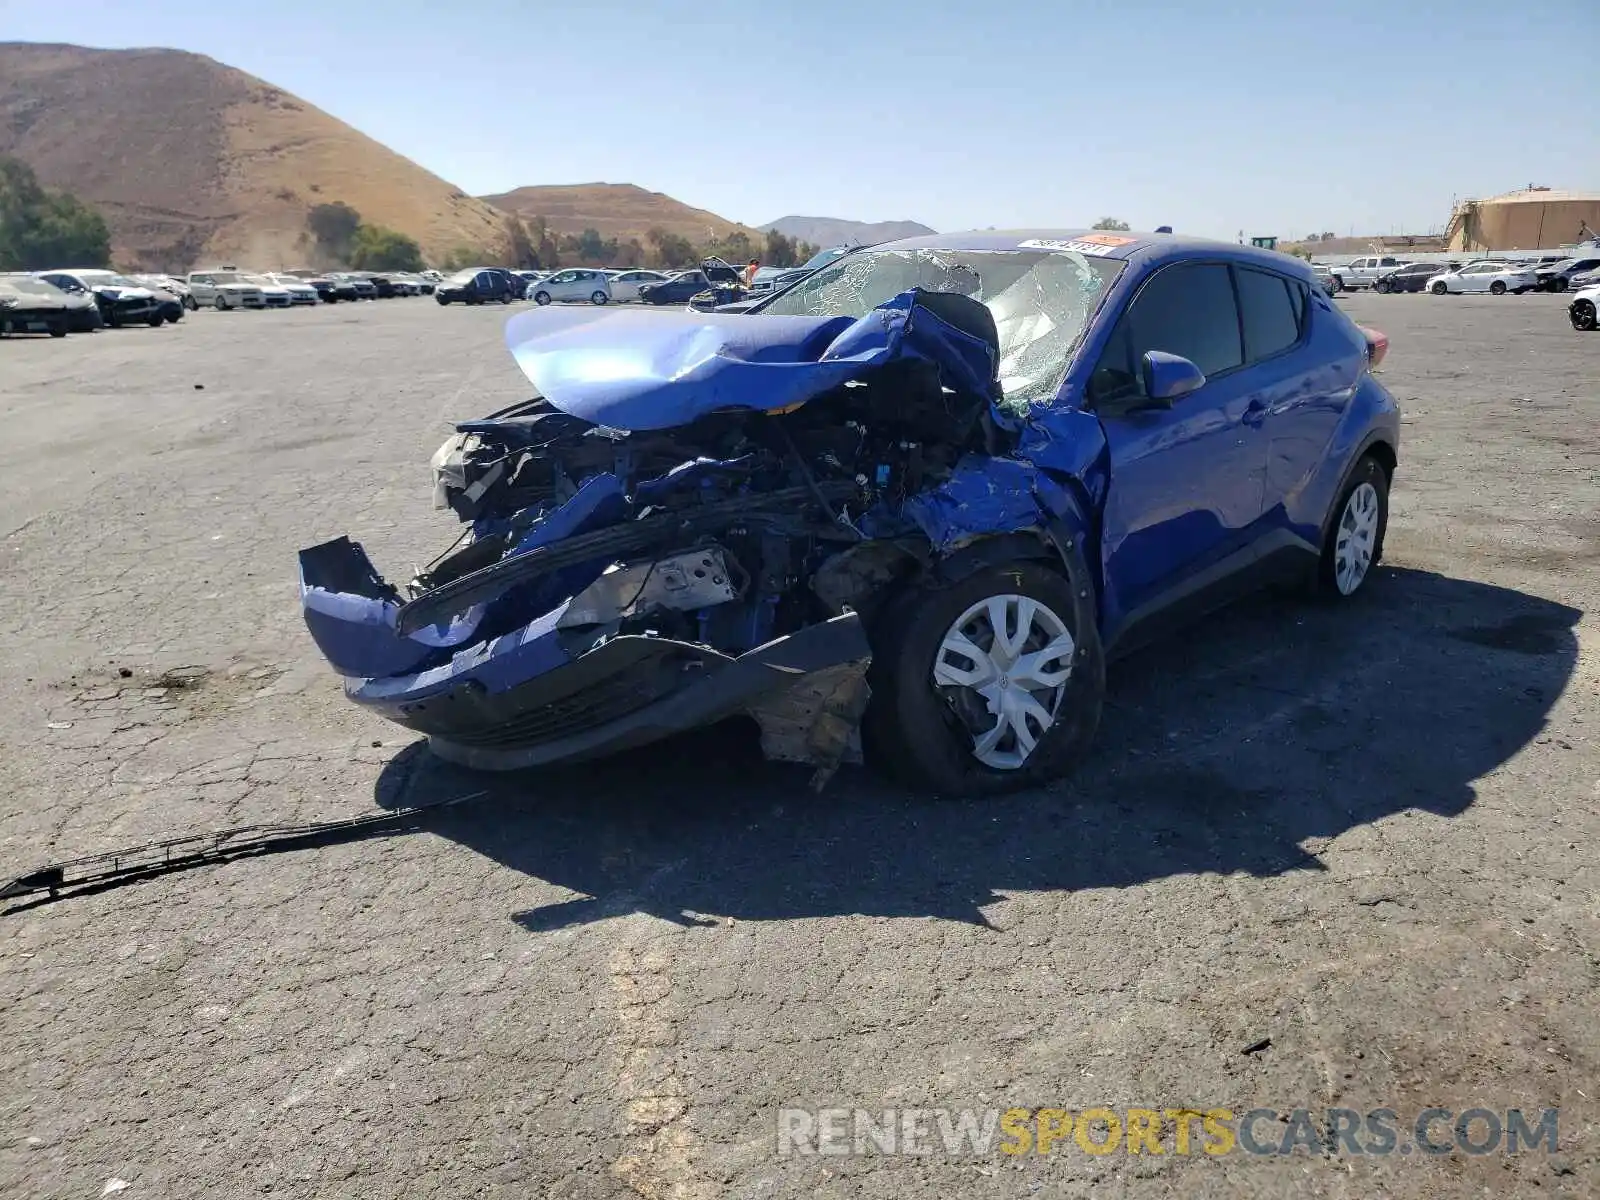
[
  {"x": 986, "y": 685},
  {"x": 1438, "y": 289},
  {"x": 1497, "y": 288},
  {"x": 1353, "y": 544},
  {"x": 1582, "y": 315}
]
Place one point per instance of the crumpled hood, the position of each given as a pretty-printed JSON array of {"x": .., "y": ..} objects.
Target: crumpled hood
[{"x": 632, "y": 369}]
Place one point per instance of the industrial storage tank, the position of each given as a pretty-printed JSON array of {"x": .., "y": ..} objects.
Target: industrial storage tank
[{"x": 1534, "y": 219}]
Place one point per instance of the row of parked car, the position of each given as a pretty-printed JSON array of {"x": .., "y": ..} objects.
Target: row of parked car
[
  {"x": 224, "y": 288},
  {"x": 80, "y": 300},
  {"x": 1497, "y": 276},
  {"x": 712, "y": 283}
]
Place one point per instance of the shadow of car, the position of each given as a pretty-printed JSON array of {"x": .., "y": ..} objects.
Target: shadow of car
[{"x": 1222, "y": 753}]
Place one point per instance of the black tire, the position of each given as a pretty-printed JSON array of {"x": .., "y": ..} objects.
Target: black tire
[
  {"x": 598, "y": 297},
  {"x": 506, "y": 298},
  {"x": 1367, "y": 471},
  {"x": 1582, "y": 315},
  {"x": 1497, "y": 288},
  {"x": 442, "y": 301},
  {"x": 221, "y": 303},
  {"x": 541, "y": 298},
  {"x": 913, "y": 732},
  {"x": 1381, "y": 287},
  {"x": 156, "y": 321},
  {"x": 1558, "y": 285},
  {"x": 1336, "y": 284},
  {"x": 58, "y": 330},
  {"x": 190, "y": 303},
  {"x": 113, "y": 321},
  {"x": 1439, "y": 289}
]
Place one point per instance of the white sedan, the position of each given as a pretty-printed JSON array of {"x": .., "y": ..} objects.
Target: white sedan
[
  {"x": 625, "y": 284},
  {"x": 1497, "y": 278},
  {"x": 300, "y": 292},
  {"x": 1582, "y": 310}
]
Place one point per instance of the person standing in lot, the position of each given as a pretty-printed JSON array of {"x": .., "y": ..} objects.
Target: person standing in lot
[{"x": 750, "y": 271}]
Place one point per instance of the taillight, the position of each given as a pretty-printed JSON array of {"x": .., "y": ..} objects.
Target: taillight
[{"x": 1377, "y": 345}]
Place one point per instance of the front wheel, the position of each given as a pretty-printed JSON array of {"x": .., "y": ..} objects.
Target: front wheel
[
  {"x": 1353, "y": 544},
  {"x": 155, "y": 321},
  {"x": 58, "y": 330},
  {"x": 1336, "y": 285},
  {"x": 598, "y": 298},
  {"x": 985, "y": 685},
  {"x": 1438, "y": 289},
  {"x": 1381, "y": 287},
  {"x": 506, "y": 299},
  {"x": 191, "y": 303},
  {"x": 1582, "y": 315},
  {"x": 1497, "y": 288},
  {"x": 222, "y": 303},
  {"x": 541, "y": 298}
]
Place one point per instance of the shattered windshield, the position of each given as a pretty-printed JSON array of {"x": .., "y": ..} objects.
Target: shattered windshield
[{"x": 1042, "y": 301}]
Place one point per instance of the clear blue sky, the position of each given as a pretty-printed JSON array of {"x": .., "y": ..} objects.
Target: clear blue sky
[{"x": 1209, "y": 115}]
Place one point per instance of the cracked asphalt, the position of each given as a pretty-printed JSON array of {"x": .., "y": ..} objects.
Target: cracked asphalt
[{"x": 1357, "y": 842}]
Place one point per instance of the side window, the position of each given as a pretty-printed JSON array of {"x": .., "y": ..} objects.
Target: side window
[
  {"x": 1186, "y": 309},
  {"x": 1271, "y": 324},
  {"x": 1388, "y": 262},
  {"x": 1189, "y": 310}
]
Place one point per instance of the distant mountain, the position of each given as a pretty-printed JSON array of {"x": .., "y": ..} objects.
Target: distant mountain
[
  {"x": 190, "y": 160},
  {"x": 619, "y": 210},
  {"x": 832, "y": 231}
]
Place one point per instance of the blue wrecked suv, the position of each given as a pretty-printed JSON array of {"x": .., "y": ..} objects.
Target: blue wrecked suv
[{"x": 905, "y": 508}]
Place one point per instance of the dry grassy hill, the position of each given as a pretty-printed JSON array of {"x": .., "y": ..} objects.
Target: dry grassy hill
[
  {"x": 191, "y": 160},
  {"x": 619, "y": 210}
]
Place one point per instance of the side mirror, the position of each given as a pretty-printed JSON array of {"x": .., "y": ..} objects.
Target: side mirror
[{"x": 1170, "y": 376}]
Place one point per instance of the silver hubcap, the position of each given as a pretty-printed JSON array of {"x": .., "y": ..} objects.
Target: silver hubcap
[
  {"x": 1004, "y": 666},
  {"x": 1358, "y": 531}
]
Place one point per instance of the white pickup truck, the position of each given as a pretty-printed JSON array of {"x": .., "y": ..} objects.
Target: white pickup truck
[{"x": 1364, "y": 272}]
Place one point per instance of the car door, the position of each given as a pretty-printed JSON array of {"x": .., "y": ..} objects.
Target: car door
[
  {"x": 1476, "y": 277},
  {"x": 1303, "y": 390},
  {"x": 1186, "y": 480}
]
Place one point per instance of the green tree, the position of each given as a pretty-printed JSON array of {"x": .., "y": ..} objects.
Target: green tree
[
  {"x": 1110, "y": 223},
  {"x": 590, "y": 248},
  {"x": 781, "y": 251},
  {"x": 462, "y": 257},
  {"x": 670, "y": 249},
  {"x": 378, "y": 249},
  {"x": 335, "y": 227},
  {"x": 524, "y": 254},
  {"x": 41, "y": 229}
]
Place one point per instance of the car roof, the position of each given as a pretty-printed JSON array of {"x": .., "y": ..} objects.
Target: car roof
[{"x": 1143, "y": 249}]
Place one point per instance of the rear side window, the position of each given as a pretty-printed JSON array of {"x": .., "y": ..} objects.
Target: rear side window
[{"x": 1271, "y": 316}]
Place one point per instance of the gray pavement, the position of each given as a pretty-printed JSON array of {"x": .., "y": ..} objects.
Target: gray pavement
[{"x": 1358, "y": 843}]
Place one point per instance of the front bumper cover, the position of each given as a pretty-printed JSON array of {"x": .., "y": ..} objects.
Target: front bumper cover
[{"x": 623, "y": 693}]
